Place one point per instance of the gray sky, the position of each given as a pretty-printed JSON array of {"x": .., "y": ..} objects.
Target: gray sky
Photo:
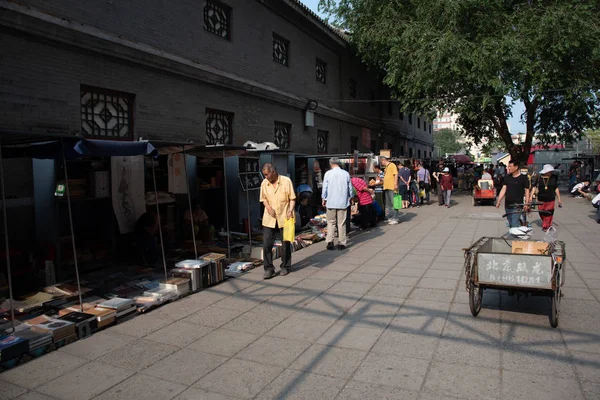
[{"x": 515, "y": 124}]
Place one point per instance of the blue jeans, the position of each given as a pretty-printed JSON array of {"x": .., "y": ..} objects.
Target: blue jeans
[{"x": 513, "y": 219}]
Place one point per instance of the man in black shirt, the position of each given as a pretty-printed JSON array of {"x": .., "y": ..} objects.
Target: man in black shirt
[
  {"x": 516, "y": 190},
  {"x": 547, "y": 192}
]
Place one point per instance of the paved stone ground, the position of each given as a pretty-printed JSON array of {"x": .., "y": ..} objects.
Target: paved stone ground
[{"x": 386, "y": 319}]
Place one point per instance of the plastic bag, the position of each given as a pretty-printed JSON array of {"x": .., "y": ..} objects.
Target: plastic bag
[
  {"x": 422, "y": 193},
  {"x": 289, "y": 230},
  {"x": 397, "y": 202},
  {"x": 551, "y": 235}
]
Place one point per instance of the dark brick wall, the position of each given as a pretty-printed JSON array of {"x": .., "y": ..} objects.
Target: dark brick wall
[{"x": 39, "y": 82}]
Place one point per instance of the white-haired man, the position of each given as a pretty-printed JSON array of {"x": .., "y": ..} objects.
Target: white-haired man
[
  {"x": 278, "y": 196},
  {"x": 336, "y": 195}
]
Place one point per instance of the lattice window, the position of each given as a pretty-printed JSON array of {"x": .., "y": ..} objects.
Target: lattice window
[
  {"x": 219, "y": 127},
  {"x": 217, "y": 19},
  {"x": 321, "y": 71},
  {"x": 283, "y": 134},
  {"x": 352, "y": 87},
  {"x": 322, "y": 139},
  {"x": 106, "y": 114},
  {"x": 281, "y": 50}
]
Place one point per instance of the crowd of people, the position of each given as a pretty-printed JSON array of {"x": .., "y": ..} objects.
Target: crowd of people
[{"x": 403, "y": 184}]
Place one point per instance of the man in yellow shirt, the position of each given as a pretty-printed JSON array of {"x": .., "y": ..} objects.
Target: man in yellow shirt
[
  {"x": 278, "y": 197},
  {"x": 390, "y": 188}
]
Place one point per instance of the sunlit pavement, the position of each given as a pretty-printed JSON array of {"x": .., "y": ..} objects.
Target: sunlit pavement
[{"x": 388, "y": 318}]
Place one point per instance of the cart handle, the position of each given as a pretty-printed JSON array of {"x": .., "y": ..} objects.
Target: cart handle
[{"x": 521, "y": 212}]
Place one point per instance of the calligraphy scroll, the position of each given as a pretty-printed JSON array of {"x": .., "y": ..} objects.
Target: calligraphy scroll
[{"x": 128, "y": 198}]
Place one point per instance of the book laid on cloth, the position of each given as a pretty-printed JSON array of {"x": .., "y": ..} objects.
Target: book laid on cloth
[
  {"x": 59, "y": 329},
  {"x": 117, "y": 303},
  {"x": 36, "y": 339}
]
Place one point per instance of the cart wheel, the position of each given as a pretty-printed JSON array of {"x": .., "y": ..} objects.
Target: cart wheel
[
  {"x": 555, "y": 303},
  {"x": 475, "y": 298}
]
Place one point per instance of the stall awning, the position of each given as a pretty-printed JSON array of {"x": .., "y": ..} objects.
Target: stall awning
[
  {"x": 112, "y": 148},
  {"x": 75, "y": 147},
  {"x": 461, "y": 159}
]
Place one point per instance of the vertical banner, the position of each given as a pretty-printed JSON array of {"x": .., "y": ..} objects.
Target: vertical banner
[
  {"x": 177, "y": 179},
  {"x": 366, "y": 137},
  {"x": 128, "y": 198}
]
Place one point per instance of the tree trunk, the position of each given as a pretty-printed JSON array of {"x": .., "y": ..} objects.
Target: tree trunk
[{"x": 514, "y": 150}]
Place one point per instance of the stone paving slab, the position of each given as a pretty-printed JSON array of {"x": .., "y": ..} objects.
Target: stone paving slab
[{"x": 388, "y": 318}]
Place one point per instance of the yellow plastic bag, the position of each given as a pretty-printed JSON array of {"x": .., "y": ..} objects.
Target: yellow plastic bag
[{"x": 289, "y": 230}]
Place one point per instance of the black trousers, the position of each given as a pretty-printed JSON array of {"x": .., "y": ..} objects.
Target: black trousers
[
  {"x": 269, "y": 235},
  {"x": 367, "y": 216}
]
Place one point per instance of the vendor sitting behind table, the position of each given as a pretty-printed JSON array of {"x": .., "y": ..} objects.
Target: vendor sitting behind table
[
  {"x": 146, "y": 229},
  {"x": 201, "y": 224},
  {"x": 305, "y": 209}
]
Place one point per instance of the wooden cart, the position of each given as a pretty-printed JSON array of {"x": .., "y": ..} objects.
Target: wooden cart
[{"x": 491, "y": 263}]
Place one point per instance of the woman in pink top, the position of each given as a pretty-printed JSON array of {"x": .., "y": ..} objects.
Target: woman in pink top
[{"x": 365, "y": 202}]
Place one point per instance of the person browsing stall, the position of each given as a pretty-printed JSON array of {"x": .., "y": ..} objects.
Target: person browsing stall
[
  {"x": 515, "y": 189},
  {"x": 390, "y": 187},
  {"x": 278, "y": 197},
  {"x": 404, "y": 179},
  {"x": 337, "y": 192}
]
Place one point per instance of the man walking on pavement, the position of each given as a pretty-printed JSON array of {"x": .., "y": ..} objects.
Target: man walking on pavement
[
  {"x": 515, "y": 189},
  {"x": 337, "y": 191},
  {"x": 278, "y": 197},
  {"x": 390, "y": 188}
]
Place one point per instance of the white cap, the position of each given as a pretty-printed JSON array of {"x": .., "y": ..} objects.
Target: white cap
[
  {"x": 446, "y": 169},
  {"x": 547, "y": 168}
]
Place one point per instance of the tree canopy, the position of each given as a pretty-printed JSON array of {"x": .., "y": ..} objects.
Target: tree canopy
[
  {"x": 446, "y": 141},
  {"x": 477, "y": 57}
]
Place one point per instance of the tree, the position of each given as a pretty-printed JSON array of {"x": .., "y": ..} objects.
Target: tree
[
  {"x": 478, "y": 57},
  {"x": 594, "y": 138},
  {"x": 446, "y": 141}
]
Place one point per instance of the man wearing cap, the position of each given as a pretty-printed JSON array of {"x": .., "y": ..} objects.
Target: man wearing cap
[
  {"x": 547, "y": 193},
  {"x": 390, "y": 188},
  {"x": 447, "y": 184},
  {"x": 336, "y": 195}
]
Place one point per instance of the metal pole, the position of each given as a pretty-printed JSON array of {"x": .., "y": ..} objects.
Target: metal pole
[
  {"x": 248, "y": 202},
  {"x": 226, "y": 206},
  {"x": 6, "y": 244},
  {"x": 162, "y": 245},
  {"x": 62, "y": 147},
  {"x": 190, "y": 204}
]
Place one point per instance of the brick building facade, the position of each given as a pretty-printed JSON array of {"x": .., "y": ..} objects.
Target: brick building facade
[{"x": 206, "y": 71}]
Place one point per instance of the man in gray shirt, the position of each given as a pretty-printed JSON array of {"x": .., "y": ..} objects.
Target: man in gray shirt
[{"x": 404, "y": 179}]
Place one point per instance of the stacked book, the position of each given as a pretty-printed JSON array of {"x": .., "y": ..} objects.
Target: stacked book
[
  {"x": 12, "y": 347},
  {"x": 163, "y": 295},
  {"x": 38, "y": 341},
  {"x": 217, "y": 271},
  {"x": 85, "y": 324},
  {"x": 59, "y": 329},
  {"x": 104, "y": 316},
  {"x": 88, "y": 304},
  {"x": 180, "y": 285},
  {"x": 123, "y": 307},
  {"x": 33, "y": 302},
  {"x": 194, "y": 270}
]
